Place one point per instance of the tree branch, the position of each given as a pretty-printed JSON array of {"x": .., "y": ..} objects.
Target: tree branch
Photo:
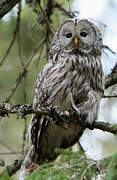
[
  {"x": 6, "y": 6},
  {"x": 26, "y": 109},
  {"x": 59, "y": 6},
  {"x": 24, "y": 71},
  {"x": 111, "y": 80}
]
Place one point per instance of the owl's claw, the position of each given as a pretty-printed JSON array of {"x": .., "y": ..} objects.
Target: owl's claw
[
  {"x": 81, "y": 116},
  {"x": 63, "y": 121},
  {"x": 60, "y": 118}
]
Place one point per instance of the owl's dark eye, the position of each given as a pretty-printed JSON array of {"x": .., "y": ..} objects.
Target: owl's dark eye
[
  {"x": 83, "y": 34},
  {"x": 68, "y": 35}
]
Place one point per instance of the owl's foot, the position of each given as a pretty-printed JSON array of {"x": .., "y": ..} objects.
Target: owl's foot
[
  {"x": 61, "y": 118},
  {"x": 84, "y": 116},
  {"x": 63, "y": 121},
  {"x": 79, "y": 115}
]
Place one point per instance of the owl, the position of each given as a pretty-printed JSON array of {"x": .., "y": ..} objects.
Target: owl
[{"x": 72, "y": 81}]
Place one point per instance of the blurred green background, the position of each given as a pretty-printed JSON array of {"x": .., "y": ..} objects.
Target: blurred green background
[
  {"x": 97, "y": 144},
  {"x": 12, "y": 128}
]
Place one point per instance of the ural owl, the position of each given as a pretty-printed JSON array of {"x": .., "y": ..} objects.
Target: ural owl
[{"x": 72, "y": 81}]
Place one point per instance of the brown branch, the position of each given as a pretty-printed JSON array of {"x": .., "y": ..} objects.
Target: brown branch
[
  {"x": 99, "y": 125},
  {"x": 108, "y": 48},
  {"x": 24, "y": 135},
  {"x": 24, "y": 71},
  {"x": 14, "y": 36},
  {"x": 19, "y": 33},
  {"x": 26, "y": 109},
  {"x": 47, "y": 20},
  {"x": 111, "y": 80},
  {"x": 10, "y": 153},
  {"x": 58, "y": 5},
  {"x": 6, "y": 6},
  {"x": 5, "y": 145},
  {"x": 10, "y": 47},
  {"x": 111, "y": 96}
]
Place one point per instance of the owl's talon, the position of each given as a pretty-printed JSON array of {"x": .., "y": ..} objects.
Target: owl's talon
[
  {"x": 83, "y": 116},
  {"x": 63, "y": 121},
  {"x": 60, "y": 118}
]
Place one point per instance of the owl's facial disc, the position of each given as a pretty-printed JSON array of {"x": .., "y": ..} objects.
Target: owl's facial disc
[
  {"x": 80, "y": 35},
  {"x": 66, "y": 34}
]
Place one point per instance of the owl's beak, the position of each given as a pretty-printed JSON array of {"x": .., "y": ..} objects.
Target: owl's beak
[{"x": 76, "y": 41}]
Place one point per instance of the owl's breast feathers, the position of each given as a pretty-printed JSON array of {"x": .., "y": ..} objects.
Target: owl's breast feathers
[
  {"x": 71, "y": 73},
  {"x": 65, "y": 84}
]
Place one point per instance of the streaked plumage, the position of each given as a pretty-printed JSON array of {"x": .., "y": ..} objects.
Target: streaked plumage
[{"x": 72, "y": 81}]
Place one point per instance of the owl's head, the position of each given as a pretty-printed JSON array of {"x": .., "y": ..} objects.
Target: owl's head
[{"x": 81, "y": 35}]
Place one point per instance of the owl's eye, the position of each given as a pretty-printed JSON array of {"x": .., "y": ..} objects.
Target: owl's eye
[
  {"x": 83, "y": 34},
  {"x": 69, "y": 35}
]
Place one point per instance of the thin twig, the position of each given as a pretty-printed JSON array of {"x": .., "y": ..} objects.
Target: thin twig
[
  {"x": 26, "y": 109},
  {"x": 24, "y": 83},
  {"x": 5, "y": 145},
  {"x": 25, "y": 119},
  {"x": 10, "y": 153},
  {"x": 86, "y": 169},
  {"x": 12, "y": 41},
  {"x": 57, "y": 5},
  {"x": 6, "y": 6},
  {"x": 19, "y": 33},
  {"x": 111, "y": 80},
  {"x": 24, "y": 135},
  {"x": 110, "y": 96},
  {"x": 9, "y": 48},
  {"x": 44, "y": 14},
  {"x": 24, "y": 70},
  {"x": 108, "y": 48}
]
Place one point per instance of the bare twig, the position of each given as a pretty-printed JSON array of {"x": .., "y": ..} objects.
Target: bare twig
[
  {"x": 58, "y": 5},
  {"x": 114, "y": 70},
  {"x": 47, "y": 20},
  {"x": 5, "y": 145},
  {"x": 10, "y": 153},
  {"x": 24, "y": 135},
  {"x": 111, "y": 80},
  {"x": 12, "y": 41},
  {"x": 108, "y": 48},
  {"x": 86, "y": 169},
  {"x": 110, "y": 96},
  {"x": 24, "y": 70},
  {"x": 6, "y": 6},
  {"x": 19, "y": 33},
  {"x": 25, "y": 119},
  {"x": 26, "y": 109},
  {"x": 10, "y": 47}
]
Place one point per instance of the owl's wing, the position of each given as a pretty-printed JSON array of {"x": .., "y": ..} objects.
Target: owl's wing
[{"x": 38, "y": 123}]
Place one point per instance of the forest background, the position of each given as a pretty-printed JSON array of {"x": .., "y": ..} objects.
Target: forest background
[{"x": 25, "y": 38}]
